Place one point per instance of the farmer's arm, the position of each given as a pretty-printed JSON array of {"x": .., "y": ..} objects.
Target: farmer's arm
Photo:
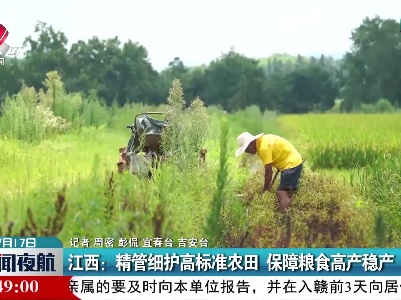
[
  {"x": 266, "y": 157},
  {"x": 268, "y": 177}
]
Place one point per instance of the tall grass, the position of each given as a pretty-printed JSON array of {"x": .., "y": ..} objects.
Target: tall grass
[{"x": 33, "y": 116}]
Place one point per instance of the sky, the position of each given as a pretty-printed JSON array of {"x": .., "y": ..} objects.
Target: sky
[{"x": 201, "y": 31}]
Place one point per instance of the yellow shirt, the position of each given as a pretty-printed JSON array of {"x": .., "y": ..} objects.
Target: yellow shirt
[{"x": 277, "y": 151}]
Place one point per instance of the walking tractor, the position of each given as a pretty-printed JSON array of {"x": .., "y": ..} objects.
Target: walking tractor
[{"x": 146, "y": 134}]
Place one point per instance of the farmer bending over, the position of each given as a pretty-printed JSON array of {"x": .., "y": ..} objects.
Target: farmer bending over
[{"x": 274, "y": 151}]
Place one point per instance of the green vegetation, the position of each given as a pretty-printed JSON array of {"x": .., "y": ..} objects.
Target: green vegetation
[
  {"x": 76, "y": 167},
  {"x": 62, "y": 180},
  {"x": 60, "y": 139},
  {"x": 367, "y": 145},
  {"x": 346, "y": 141}
]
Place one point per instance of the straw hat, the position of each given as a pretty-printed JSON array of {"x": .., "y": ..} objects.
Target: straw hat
[{"x": 243, "y": 140}]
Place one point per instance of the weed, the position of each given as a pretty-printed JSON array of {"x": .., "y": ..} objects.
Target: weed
[
  {"x": 322, "y": 215},
  {"x": 187, "y": 130},
  {"x": 214, "y": 227},
  {"x": 53, "y": 226}
]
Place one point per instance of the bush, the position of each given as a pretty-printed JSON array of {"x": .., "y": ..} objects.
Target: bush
[
  {"x": 381, "y": 106},
  {"x": 384, "y": 106},
  {"x": 368, "y": 108}
]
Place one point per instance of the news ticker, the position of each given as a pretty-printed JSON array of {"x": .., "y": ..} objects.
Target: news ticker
[{"x": 41, "y": 268}]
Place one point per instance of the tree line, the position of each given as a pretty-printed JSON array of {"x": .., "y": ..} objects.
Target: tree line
[{"x": 121, "y": 72}]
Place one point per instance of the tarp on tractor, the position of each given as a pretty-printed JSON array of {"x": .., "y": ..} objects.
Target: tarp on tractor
[
  {"x": 148, "y": 128},
  {"x": 148, "y": 125}
]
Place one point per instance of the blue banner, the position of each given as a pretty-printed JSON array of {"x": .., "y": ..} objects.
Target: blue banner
[
  {"x": 29, "y": 242},
  {"x": 231, "y": 262}
]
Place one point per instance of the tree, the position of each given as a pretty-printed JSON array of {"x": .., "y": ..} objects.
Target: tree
[
  {"x": 234, "y": 82},
  {"x": 305, "y": 86},
  {"x": 121, "y": 74},
  {"x": 11, "y": 75},
  {"x": 46, "y": 52},
  {"x": 176, "y": 70},
  {"x": 372, "y": 64}
]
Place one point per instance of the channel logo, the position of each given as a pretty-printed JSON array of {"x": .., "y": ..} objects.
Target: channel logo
[
  {"x": 3, "y": 36},
  {"x": 4, "y": 47}
]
